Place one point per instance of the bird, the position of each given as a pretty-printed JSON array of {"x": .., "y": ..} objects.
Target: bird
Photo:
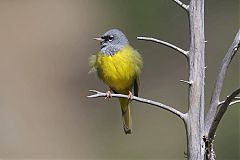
[{"x": 119, "y": 66}]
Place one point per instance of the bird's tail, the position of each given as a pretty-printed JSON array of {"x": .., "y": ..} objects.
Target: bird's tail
[{"x": 126, "y": 115}]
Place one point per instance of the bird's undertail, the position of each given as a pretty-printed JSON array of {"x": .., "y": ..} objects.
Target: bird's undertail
[{"x": 126, "y": 115}]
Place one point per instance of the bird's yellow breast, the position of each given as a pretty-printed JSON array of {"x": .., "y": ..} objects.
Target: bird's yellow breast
[{"x": 119, "y": 71}]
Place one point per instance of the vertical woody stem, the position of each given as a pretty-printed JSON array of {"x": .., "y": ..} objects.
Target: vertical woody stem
[{"x": 195, "y": 120}]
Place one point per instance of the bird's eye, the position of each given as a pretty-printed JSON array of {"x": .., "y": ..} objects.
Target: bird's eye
[
  {"x": 110, "y": 38},
  {"x": 107, "y": 38}
]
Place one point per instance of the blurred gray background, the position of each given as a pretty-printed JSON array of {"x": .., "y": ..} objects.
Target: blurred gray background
[{"x": 44, "y": 50}]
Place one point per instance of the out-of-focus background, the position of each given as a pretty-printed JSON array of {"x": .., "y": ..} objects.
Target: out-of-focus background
[{"x": 44, "y": 50}]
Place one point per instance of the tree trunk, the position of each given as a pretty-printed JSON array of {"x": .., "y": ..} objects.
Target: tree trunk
[{"x": 195, "y": 120}]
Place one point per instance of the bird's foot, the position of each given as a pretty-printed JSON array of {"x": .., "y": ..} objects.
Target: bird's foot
[
  {"x": 130, "y": 96},
  {"x": 108, "y": 95}
]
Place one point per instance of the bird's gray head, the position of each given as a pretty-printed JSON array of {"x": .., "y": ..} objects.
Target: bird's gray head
[{"x": 112, "y": 41}]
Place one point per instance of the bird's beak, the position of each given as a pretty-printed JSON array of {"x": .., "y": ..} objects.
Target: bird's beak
[{"x": 99, "y": 39}]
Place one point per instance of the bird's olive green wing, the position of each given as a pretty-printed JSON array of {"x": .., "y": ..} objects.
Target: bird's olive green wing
[
  {"x": 92, "y": 63},
  {"x": 136, "y": 86}
]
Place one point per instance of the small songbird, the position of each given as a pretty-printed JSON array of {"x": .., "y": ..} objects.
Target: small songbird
[{"x": 119, "y": 66}]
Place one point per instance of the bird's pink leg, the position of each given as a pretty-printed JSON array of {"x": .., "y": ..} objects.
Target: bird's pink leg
[
  {"x": 108, "y": 94},
  {"x": 130, "y": 96}
]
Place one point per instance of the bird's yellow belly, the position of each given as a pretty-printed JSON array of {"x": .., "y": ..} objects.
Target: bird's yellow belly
[{"x": 119, "y": 70}]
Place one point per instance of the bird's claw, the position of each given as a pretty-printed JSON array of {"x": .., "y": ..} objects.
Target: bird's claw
[
  {"x": 108, "y": 95},
  {"x": 130, "y": 96}
]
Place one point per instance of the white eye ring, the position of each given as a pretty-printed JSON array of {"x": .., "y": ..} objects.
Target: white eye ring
[{"x": 110, "y": 38}]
